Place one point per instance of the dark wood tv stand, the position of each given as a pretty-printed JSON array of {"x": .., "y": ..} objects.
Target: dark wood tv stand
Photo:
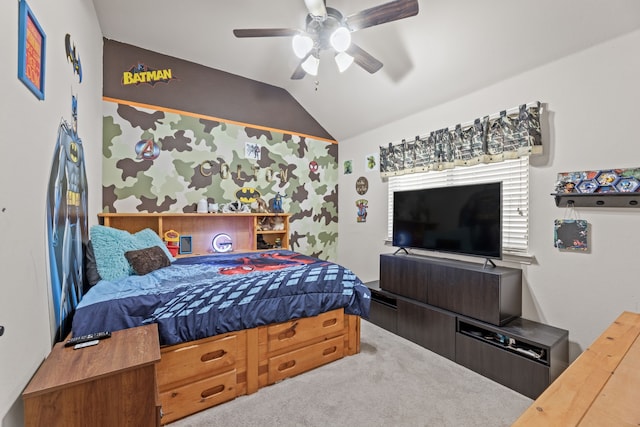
[
  {"x": 493, "y": 295},
  {"x": 471, "y": 315}
]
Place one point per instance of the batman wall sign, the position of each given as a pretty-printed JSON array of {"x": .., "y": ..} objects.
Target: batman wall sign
[
  {"x": 73, "y": 57},
  {"x": 247, "y": 195}
]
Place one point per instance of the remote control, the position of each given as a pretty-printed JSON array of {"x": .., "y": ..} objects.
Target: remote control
[
  {"x": 86, "y": 338},
  {"x": 85, "y": 344}
]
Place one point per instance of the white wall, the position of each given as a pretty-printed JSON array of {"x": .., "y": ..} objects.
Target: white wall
[
  {"x": 592, "y": 98},
  {"x": 29, "y": 131},
  {"x": 593, "y": 102}
]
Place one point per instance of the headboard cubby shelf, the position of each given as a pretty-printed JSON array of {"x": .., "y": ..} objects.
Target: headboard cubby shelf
[{"x": 243, "y": 228}]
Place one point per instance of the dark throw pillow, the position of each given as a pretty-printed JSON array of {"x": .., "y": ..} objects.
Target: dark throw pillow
[
  {"x": 146, "y": 260},
  {"x": 91, "y": 269}
]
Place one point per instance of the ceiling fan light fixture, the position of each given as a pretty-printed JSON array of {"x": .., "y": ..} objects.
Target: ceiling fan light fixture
[
  {"x": 341, "y": 39},
  {"x": 327, "y": 29},
  {"x": 310, "y": 65},
  {"x": 302, "y": 45},
  {"x": 343, "y": 61}
]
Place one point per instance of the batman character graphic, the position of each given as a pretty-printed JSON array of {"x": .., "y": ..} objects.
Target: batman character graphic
[{"x": 67, "y": 221}]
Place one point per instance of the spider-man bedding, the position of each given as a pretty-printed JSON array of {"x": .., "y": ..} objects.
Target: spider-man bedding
[{"x": 202, "y": 296}]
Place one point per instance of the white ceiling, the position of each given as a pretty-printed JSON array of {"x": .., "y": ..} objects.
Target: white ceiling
[{"x": 450, "y": 48}]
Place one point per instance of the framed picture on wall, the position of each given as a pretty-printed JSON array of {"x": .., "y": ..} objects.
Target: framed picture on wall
[{"x": 31, "y": 50}]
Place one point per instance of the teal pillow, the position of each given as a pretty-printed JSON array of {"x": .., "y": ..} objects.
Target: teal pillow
[{"x": 110, "y": 244}]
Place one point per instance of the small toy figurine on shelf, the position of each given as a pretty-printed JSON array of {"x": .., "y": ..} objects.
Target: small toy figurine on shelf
[
  {"x": 172, "y": 239},
  {"x": 259, "y": 206},
  {"x": 261, "y": 244},
  {"x": 278, "y": 224},
  {"x": 277, "y": 204},
  {"x": 265, "y": 224}
]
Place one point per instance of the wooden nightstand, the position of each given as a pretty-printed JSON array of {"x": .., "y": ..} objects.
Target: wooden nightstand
[{"x": 109, "y": 384}]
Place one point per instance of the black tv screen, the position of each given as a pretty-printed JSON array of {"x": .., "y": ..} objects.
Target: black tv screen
[{"x": 465, "y": 220}]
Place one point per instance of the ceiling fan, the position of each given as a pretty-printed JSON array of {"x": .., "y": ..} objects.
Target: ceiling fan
[{"x": 328, "y": 29}]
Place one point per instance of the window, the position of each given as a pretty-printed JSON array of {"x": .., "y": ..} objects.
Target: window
[{"x": 514, "y": 175}]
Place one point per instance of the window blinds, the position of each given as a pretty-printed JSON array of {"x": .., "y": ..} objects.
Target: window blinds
[{"x": 514, "y": 175}]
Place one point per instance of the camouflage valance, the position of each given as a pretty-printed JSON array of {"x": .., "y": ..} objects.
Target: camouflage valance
[{"x": 509, "y": 135}]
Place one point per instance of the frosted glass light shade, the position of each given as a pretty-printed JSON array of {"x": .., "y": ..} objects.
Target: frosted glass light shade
[
  {"x": 302, "y": 45},
  {"x": 343, "y": 61},
  {"x": 310, "y": 65},
  {"x": 341, "y": 39}
]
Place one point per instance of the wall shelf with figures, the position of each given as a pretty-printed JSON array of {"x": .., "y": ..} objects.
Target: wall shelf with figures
[
  {"x": 598, "y": 200},
  {"x": 609, "y": 188},
  {"x": 242, "y": 231}
]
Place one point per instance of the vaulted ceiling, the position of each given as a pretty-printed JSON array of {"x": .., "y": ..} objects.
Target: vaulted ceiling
[{"x": 452, "y": 47}]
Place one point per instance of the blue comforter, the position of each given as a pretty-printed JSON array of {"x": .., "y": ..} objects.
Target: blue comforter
[{"x": 202, "y": 296}]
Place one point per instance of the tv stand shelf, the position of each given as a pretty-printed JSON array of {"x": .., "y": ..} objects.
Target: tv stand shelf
[
  {"x": 505, "y": 342},
  {"x": 523, "y": 355},
  {"x": 470, "y": 315}
]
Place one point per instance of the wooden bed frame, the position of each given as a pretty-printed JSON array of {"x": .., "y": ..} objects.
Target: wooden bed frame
[{"x": 200, "y": 374}]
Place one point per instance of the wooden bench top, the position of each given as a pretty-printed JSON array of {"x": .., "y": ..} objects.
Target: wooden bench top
[{"x": 600, "y": 388}]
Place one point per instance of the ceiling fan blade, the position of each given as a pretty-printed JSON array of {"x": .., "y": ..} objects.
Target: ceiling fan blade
[
  {"x": 387, "y": 12},
  {"x": 298, "y": 73},
  {"x": 364, "y": 59},
  {"x": 266, "y": 32}
]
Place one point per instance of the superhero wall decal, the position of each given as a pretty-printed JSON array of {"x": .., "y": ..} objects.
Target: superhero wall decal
[
  {"x": 73, "y": 57},
  {"x": 67, "y": 220},
  {"x": 67, "y": 225}
]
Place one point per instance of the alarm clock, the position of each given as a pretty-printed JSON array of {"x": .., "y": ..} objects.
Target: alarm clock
[{"x": 222, "y": 243}]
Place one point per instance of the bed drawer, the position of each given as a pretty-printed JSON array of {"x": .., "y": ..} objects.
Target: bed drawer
[
  {"x": 290, "y": 334},
  {"x": 197, "y": 358},
  {"x": 190, "y": 398},
  {"x": 305, "y": 359}
]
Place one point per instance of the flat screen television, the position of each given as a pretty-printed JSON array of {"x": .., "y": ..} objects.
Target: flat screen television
[{"x": 464, "y": 220}]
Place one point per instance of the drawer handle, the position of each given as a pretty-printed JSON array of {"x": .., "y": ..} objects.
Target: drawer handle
[
  {"x": 212, "y": 355},
  {"x": 329, "y": 322},
  {"x": 289, "y": 333},
  {"x": 212, "y": 391},
  {"x": 189, "y": 347},
  {"x": 330, "y": 350},
  {"x": 286, "y": 365}
]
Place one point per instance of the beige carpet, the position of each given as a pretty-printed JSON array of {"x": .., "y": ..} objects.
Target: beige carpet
[{"x": 391, "y": 382}]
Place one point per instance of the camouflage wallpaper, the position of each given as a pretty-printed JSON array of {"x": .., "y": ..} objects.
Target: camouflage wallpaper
[{"x": 157, "y": 161}]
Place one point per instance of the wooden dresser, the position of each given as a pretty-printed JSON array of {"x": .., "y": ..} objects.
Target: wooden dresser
[{"x": 109, "y": 384}]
